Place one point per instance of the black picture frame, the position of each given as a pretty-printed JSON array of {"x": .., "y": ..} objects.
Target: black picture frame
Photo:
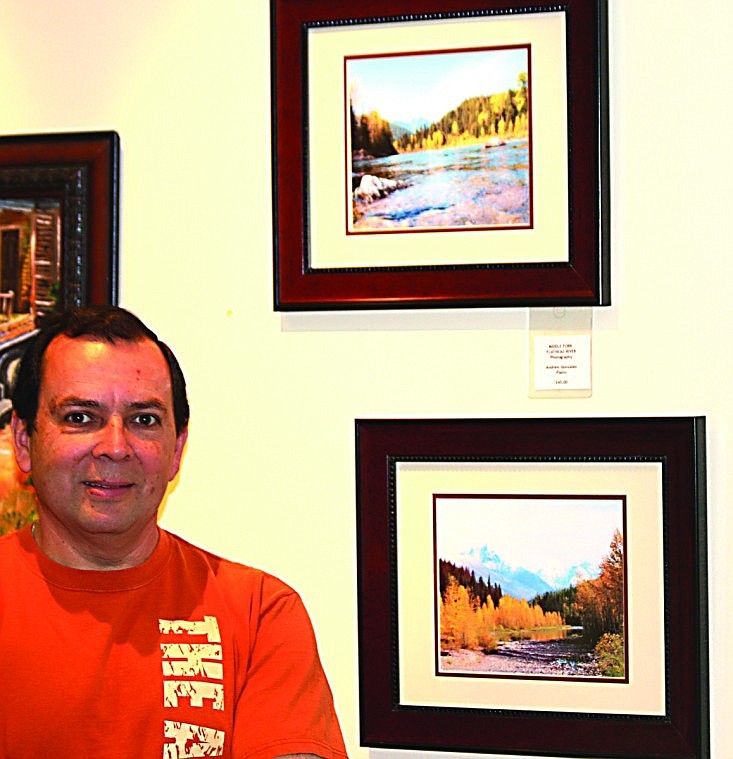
[
  {"x": 673, "y": 447},
  {"x": 582, "y": 278}
]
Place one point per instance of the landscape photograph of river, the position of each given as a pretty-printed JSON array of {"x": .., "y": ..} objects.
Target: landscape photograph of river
[
  {"x": 530, "y": 586},
  {"x": 440, "y": 140}
]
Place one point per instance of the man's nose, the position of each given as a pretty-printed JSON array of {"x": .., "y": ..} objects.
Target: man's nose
[{"x": 112, "y": 441}]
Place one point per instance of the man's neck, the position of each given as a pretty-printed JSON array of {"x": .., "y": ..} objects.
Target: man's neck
[{"x": 99, "y": 552}]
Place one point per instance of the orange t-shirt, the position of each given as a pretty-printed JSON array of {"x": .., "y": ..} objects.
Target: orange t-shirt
[{"x": 186, "y": 655}]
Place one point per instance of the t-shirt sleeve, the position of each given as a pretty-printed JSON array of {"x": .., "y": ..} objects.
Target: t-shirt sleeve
[{"x": 285, "y": 706}]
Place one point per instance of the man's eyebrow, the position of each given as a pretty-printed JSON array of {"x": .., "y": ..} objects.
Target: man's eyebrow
[
  {"x": 152, "y": 403},
  {"x": 74, "y": 400},
  {"x": 79, "y": 402}
]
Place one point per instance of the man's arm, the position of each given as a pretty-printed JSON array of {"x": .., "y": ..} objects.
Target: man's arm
[{"x": 286, "y": 686}]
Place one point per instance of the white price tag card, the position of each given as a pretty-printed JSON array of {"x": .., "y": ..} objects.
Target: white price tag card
[
  {"x": 560, "y": 352},
  {"x": 562, "y": 363}
]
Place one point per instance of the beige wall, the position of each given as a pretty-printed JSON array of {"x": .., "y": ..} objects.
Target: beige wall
[{"x": 269, "y": 472}]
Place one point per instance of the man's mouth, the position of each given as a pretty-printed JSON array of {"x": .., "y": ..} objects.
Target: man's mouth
[{"x": 107, "y": 484}]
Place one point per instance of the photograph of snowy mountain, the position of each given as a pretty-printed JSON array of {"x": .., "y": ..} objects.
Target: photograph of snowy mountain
[
  {"x": 530, "y": 585},
  {"x": 527, "y": 545}
]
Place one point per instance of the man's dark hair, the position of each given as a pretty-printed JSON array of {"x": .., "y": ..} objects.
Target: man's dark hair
[{"x": 110, "y": 323}]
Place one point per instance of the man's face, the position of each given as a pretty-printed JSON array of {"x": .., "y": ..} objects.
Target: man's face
[{"x": 104, "y": 446}]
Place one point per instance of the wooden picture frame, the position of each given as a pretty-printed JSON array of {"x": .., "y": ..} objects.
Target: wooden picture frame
[
  {"x": 59, "y": 227},
  {"x": 81, "y": 171},
  {"x": 655, "y": 465},
  {"x": 561, "y": 254}
]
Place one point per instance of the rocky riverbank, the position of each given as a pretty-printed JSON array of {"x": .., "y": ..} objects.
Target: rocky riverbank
[{"x": 564, "y": 657}]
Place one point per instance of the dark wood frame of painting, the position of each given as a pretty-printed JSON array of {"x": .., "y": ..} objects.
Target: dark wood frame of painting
[
  {"x": 582, "y": 281},
  {"x": 81, "y": 170},
  {"x": 678, "y": 444}
]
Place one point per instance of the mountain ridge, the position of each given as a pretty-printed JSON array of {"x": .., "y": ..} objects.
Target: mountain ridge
[{"x": 520, "y": 582}]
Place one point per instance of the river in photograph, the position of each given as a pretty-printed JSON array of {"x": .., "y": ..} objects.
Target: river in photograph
[
  {"x": 469, "y": 186},
  {"x": 554, "y": 654}
]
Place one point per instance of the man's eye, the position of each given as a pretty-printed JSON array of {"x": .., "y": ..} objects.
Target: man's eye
[
  {"x": 78, "y": 417},
  {"x": 146, "y": 420}
]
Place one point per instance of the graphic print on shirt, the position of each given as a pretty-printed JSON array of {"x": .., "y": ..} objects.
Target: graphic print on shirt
[{"x": 193, "y": 670}]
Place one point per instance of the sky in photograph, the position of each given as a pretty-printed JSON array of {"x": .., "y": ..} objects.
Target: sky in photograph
[
  {"x": 426, "y": 86},
  {"x": 530, "y": 533}
]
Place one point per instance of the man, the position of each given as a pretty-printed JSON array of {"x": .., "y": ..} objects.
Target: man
[{"x": 117, "y": 638}]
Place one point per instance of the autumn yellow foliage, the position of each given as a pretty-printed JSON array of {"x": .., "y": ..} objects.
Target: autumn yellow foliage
[{"x": 467, "y": 623}]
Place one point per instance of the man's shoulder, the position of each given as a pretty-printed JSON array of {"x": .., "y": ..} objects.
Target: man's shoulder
[
  {"x": 8, "y": 538},
  {"x": 16, "y": 557},
  {"x": 227, "y": 570},
  {"x": 9, "y": 542}
]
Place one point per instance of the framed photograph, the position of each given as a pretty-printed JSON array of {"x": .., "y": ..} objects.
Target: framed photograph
[
  {"x": 440, "y": 155},
  {"x": 59, "y": 210},
  {"x": 533, "y": 586}
]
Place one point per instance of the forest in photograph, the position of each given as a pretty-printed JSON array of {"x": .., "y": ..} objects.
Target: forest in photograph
[
  {"x": 562, "y": 619},
  {"x": 440, "y": 140}
]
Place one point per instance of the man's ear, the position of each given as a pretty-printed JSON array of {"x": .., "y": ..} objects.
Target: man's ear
[
  {"x": 178, "y": 453},
  {"x": 21, "y": 442}
]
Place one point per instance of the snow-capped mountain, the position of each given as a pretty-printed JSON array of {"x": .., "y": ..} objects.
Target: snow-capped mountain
[
  {"x": 520, "y": 582},
  {"x": 562, "y": 577}
]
